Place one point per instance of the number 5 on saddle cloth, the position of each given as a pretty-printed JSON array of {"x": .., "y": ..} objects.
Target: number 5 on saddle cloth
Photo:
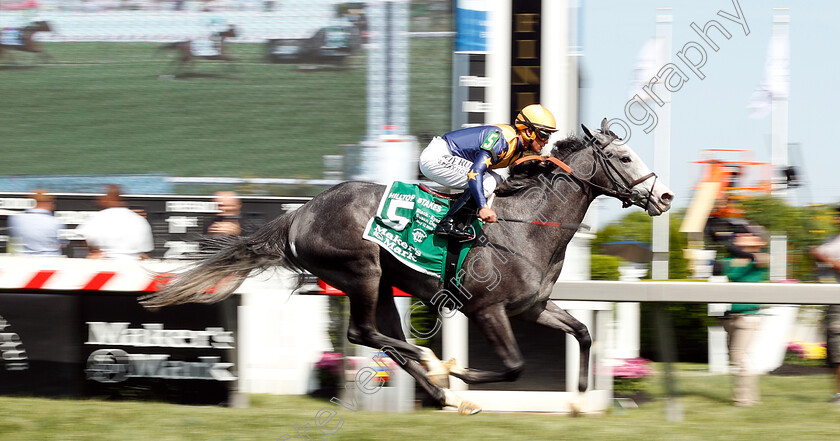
[{"x": 404, "y": 226}]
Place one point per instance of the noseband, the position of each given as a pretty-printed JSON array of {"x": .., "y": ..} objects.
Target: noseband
[{"x": 622, "y": 188}]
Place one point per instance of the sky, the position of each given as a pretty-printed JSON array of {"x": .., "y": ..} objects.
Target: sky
[{"x": 712, "y": 112}]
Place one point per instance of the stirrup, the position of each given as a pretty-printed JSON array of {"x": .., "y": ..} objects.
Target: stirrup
[{"x": 450, "y": 231}]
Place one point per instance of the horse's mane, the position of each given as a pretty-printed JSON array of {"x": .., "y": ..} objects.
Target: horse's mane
[{"x": 526, "y": 174}]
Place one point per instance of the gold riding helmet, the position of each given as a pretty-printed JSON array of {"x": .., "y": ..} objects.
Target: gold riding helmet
[{"x": 538, "y": 119}]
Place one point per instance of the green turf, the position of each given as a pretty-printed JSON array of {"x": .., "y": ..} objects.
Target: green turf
[
  {"x": 101, "y": 108},
  {"x": 794, "y": 408}
]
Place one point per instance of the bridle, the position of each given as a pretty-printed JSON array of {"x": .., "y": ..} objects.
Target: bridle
[{"x": 622, "y": 188}]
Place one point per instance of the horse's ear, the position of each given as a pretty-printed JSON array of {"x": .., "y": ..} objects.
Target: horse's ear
[
  {"x": 605, "y": 136},
  {"x": 586, "y": 131},
  {"x": 605, "y": 128}
]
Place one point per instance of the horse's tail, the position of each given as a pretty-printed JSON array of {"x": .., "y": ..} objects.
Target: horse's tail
[{"x": 222, "y": 271}]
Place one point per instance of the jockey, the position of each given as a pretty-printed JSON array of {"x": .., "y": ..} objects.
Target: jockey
[{"x": 464, "y": 159}]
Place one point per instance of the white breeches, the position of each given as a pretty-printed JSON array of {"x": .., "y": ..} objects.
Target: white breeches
[{"x": 440, "y": 165}]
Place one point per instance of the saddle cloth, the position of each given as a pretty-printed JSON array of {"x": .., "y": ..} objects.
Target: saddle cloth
[
  {"x": 404, "y": 226},
  {"x": 204, "y": 47},
  {"x": 11, "y": 37}
]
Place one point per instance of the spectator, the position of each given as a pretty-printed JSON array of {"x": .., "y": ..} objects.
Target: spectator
[
  {"x": 828, "y": 257},
  {"x": 116, "y": 232},
  {"x": 227, "y": 222},
  {"x": 741, "y": 321},
  {"x": 36, "y": 230}
]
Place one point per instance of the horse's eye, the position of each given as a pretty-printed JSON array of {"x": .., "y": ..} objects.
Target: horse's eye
[{"x": 626, "y": 159}]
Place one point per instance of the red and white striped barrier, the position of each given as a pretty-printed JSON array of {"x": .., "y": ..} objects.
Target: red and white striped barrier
[
  {"x": 81, "y": 274},
  {"x": 65, "y": 274},
  {"x": 324, "y": 288}
]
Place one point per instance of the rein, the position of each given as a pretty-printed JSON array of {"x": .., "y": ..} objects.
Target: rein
[
  {"x": 567, "y": 226},
  {"x": 622, "y": 188},
  {"x": 563, "y": 166}
]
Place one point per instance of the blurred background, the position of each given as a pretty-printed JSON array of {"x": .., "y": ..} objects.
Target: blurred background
[{"x": 729, "y": 102}]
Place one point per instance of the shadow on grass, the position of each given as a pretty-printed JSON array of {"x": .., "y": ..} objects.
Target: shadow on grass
[
  {"x": 324, "y": 67},
  {"x": 710, "y": 395},
  {"x": 17, "y": 67},
  {"x": 199, "y": 76}
]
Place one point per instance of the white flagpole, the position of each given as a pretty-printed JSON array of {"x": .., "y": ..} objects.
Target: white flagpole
[
  {"x": 662, "y": 224},
  {"x": 662, "y": 155},
  {"x": 779, "y": 118}
]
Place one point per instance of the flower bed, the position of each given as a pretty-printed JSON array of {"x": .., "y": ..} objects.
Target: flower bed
[
  {"x": 630, "y": 375},
  {"x": 805, "y": 353}
]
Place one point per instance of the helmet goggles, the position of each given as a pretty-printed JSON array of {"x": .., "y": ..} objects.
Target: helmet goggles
[{"x": 542, "y": 133}]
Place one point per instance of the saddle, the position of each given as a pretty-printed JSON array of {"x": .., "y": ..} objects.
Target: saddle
[{"x": 439, "y": 194}]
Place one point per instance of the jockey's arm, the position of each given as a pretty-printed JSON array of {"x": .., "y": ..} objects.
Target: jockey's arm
[{"x": 475, "y": 179}]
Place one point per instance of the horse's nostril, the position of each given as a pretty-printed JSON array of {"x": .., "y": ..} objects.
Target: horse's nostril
[{"x": 667, "y": 197}]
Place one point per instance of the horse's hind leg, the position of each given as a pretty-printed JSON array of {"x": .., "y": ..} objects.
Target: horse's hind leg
[
  {"x": 550, "y": 315},
  {"x": 231, "y": 64},
  {"x": 172, "y": 66},
  {"x": 390, "y": 323},
  {"x": 495, "y": 326},
  {"x": 363, "y": 309},
  {"x": 42, "y": 54}
]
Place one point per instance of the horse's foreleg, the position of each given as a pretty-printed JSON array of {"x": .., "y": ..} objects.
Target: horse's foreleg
[
  {"x": 495, "y": 326},
  {"x": 389, "y": 322},
  {"x": 550, "y": 315}
]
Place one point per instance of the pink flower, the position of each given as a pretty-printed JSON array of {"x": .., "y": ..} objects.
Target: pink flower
[
  {"x": 796, "y": 347},
  {"x": 331, "y": 361},
  {"x": 632, "y": 368}
]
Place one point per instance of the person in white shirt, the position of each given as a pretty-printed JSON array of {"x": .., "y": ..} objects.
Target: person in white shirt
[
  {"x": 116, "y": 232},
  {"x": 36, "y": 232}
]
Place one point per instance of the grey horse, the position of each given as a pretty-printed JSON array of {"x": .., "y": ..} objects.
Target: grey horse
[{"x": 509, "y": 272}]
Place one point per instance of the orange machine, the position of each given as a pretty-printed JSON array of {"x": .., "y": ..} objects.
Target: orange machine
[
  {"x": 730, "y": 177},
  {"x": 722, "y": 182}
]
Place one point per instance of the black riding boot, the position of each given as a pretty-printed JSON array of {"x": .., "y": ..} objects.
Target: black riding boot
[{"x": 448, "y": 227}]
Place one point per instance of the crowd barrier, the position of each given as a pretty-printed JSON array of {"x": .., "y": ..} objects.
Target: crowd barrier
[
  {"x": 177, "y": 221},
  {"x": 74, "y": 327}
]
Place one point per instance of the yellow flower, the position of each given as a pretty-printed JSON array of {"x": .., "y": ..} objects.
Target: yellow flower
[{"x": 815, "y": 351}]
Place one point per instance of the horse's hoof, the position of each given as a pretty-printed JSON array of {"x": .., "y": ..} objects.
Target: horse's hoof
[
  {"x": 437, "y": 371},
  {"x": 576, "y": 405},
  {"x": 468, "y": 408},
  {"x": 453, "y": 368},
  {"x": 450, "y": 364},
  {"x": 439, "y": 380}
]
